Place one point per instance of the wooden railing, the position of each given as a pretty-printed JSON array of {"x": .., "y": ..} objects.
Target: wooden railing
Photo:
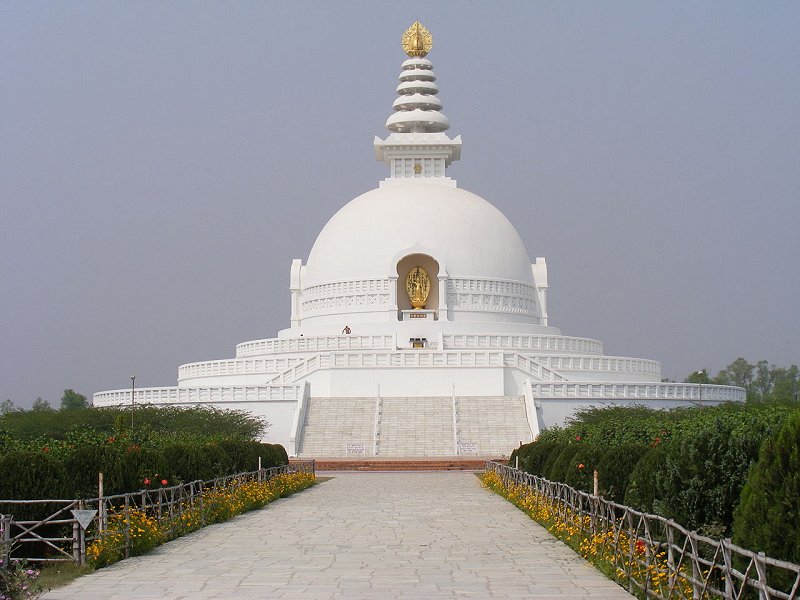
[
  {"x": 692, "y": 565},
  {"x": 58, "y": 536}
]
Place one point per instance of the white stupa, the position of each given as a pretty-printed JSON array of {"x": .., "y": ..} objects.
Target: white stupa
[{"x": 419, "y": 323}]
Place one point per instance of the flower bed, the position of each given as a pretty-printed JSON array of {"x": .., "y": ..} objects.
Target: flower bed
[
  {"x": 140, "y": 531},
  {"x": 649, "y": 555},
  {"x": 601, "y": 549}
]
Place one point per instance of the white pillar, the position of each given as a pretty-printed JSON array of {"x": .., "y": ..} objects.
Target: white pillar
[
  {"x": 393, "y": 295},
  {"x": 294, "y": 290},
  {"x": 443, "y": 316}
]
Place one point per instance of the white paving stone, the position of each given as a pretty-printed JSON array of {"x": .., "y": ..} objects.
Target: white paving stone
[{"x": 361, "y": 535}]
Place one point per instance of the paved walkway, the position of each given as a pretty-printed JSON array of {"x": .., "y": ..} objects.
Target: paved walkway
[{"x": 360, "y": 535}]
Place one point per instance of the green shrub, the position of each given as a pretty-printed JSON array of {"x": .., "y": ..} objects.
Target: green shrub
[
  {"x": 517, "y": 453},
  {"x": 579, "y": 473},
  {"x": 535, "y": 456},
  {"x": 196, "y": 422},
  {"x": 187, "y": 462},
  {"x": 27, "y": 474},
  {"x": 642, "y": 492},
  {"x": 615, "y": 466},
  {"x": 272, "y": 455},
  {"x": 139, "y": 464},
  {"x": 768, "y": 516},
  {"x": 85, "y": 461},
  {"x": 559, "y": 463}
]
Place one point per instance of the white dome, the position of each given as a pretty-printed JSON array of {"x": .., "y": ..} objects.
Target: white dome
[{"x": 466, "y": 234}]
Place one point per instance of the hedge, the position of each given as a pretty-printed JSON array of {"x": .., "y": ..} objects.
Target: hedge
[
  {"x": 72, "y": 472},
  {"x": 689, "y": 464}
]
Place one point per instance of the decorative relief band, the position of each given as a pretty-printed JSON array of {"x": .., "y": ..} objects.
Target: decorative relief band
[
  {"x": 491, "y": 295},
  {"x": 490, "y": 286},
  {"x": 345, "y": 295},
  {"x": 346, "y": 288}
]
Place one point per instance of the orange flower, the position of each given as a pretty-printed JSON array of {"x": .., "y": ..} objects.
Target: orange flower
[{"x": 580, "y": 465}]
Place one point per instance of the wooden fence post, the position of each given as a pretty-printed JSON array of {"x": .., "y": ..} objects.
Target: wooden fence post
[
  {"x": 761, "y": 569},
  {"x": 127, "y": 526},
  {"x": 5, "y": 538},
  {"x": 82, "y": 535},
  {"x": 202, "y": 513},
  {"x": 673, "y": 572},
  {"x": 631, "y": 548},
  {"x": 596, "y": 482},
  {"x": 76, "y": 540},
  {"x": 101, "y": 504},
  {"x": 697, "y": 589}
]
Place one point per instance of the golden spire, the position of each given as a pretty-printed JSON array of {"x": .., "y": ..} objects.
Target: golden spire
[{"x": 417, "y": 40}]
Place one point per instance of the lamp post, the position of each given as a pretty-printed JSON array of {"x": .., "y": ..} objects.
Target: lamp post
[
  {"x": 133, "y": 400},
  {"x": 700, "y": 375}
]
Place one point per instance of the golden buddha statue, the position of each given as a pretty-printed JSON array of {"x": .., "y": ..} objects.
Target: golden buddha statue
[{"x": 418, "y": 286}]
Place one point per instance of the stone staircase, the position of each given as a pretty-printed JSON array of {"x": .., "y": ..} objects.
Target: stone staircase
[
  {"x": 338, "y": 426},
  {"x": 410, "y": 427},
  {"x": 495, "y": 425},
  {"x": 416, "y": 427}
]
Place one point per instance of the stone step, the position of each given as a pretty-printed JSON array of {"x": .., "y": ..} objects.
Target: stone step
[
  {"x": 401, "y": 464},
  {"x": 414, "y": 427}
]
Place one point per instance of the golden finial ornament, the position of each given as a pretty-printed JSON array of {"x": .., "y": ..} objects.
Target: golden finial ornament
[
  {"x": 417, "y": 40},
  {"x": 418, "y": 286}
]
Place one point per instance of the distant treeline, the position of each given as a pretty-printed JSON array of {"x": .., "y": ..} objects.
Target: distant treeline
[{"x": 763, "y": 382}]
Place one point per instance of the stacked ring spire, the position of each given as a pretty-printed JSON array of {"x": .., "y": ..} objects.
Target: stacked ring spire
[{"x": 417, "y": 108}]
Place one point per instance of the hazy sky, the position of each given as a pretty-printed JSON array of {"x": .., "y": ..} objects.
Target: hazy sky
[{"x": 162, "y": 163}]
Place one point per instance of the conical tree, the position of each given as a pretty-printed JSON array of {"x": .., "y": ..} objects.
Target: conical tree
[{"x": 768, "y": 516}]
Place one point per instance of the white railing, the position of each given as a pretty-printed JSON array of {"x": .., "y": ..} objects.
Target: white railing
[
  {"x": 454, "y": 341},
  {"x": 413, "y": 359},
  {"x": 377, "y": 360},
  {"x": 315, "y": 344},
  {"x": 236, "y": 366},
  {"x": 277, "y": 366},
  {"x": 299, "y": 417},
  {"x": 196, "y": 395},
  {"x": 640, "y": 391},
  {"x": 531, "y": 367},
  {"x": 616, "y": 364}
]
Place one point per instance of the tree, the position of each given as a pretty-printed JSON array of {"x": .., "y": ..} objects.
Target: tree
[
  {"x": 7, "y": 406},
  {"x": 40, "y": 404},
  {"x": 72, "y": 399},
  {"x": 787, "y": 385},
  {"x": 698, "y": 377},
  {"x": 764, "y": 380},
  {"x": 768, "y": 516},
  {"x": 739, "y": 373}
]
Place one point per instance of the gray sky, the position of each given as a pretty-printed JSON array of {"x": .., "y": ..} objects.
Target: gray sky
[{"x": 162, "y": 163}]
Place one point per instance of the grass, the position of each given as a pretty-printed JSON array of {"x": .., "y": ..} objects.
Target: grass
[{"x": 60, "y": 574}]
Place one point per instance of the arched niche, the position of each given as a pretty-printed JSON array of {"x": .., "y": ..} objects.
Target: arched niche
[{"x": 404, "y": 265}]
